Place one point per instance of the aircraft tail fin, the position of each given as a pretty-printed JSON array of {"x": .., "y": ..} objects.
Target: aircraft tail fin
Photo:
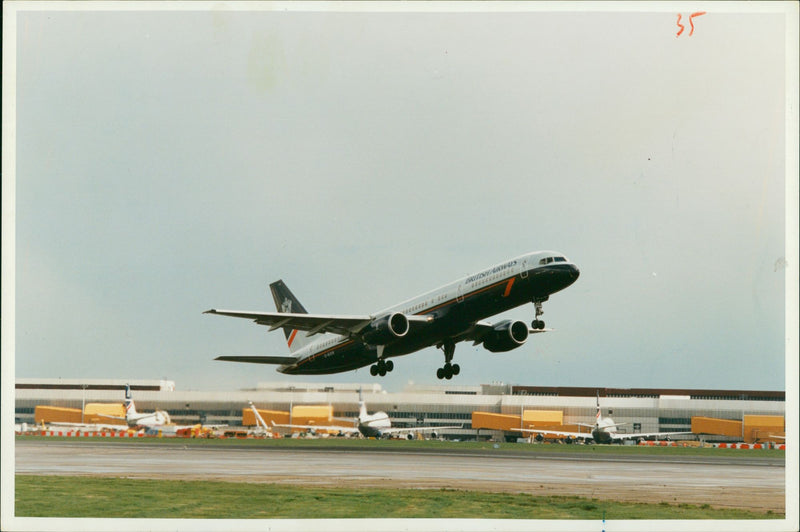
[
  {"x": 362, "y": 406},
  {"x": 130, "y": 407},
  {"x": 285, "y": 301},
  {"x": 598, "y": 405}
]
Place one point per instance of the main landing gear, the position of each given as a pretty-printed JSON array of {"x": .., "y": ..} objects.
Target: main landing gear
[
  {"x": 537, "y": 323},
  {"x": 448, "y": 370},
  {"x": 381, "y": 368}
]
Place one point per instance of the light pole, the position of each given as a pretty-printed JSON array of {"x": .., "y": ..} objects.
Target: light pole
[{"x": 83, "y": 401}]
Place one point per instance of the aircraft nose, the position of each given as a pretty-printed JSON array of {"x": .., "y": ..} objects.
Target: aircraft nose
[{"x": 574, "y": 272}]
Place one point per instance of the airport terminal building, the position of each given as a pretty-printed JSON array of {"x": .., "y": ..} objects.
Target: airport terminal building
[{"x": 639, "y": 409}]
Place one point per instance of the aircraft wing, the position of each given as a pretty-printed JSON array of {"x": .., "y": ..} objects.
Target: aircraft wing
[
  {"x": 112, "y": 417},
  {"x": 317, "y": 427},
  {"x": 623, "y": 436},
  {"x": 254, "y": 359},
  {"x": 556, "y": 432},
  {"x": 400, "y": 430},
  {"x": 88, "y": 426},
  {"x": 311, "y": 323}
]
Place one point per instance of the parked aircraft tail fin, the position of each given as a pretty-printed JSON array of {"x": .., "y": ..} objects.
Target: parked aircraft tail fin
[
  {"x": 285, "y": 301},
  {"x": 130, "y": 407},
  {"x": 598, "y": 406},
  {"x": 362, "y": 406}
]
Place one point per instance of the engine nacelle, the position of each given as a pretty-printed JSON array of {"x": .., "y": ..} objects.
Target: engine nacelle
[
  {"x": 505, "y": 336},
  {"x": 386, "y": 328}
]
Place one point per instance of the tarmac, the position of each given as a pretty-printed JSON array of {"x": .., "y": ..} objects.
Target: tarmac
[{"x": 750, "y": 483}]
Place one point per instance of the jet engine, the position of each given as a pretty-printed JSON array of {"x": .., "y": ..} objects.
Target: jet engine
[
  {"x": 505, "y": 336},
  {"x": 386, "y": 328}
]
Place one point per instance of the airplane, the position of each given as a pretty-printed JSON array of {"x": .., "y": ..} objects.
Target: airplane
[
  {"x": 155, "y": 422},
  {"x": 377, "y": 425},
  {"x": 603, "y": 431},
  {"x": 137, "y": 419},
  {"x": 442, "y": 317}
]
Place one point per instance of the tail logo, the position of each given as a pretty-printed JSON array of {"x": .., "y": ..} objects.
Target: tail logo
[{"x": 286, "y": 306}]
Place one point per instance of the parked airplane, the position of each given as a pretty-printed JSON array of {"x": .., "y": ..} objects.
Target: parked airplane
[
  {"x": 377, "y": 425},
  {"x": 136, "y": 419},
  {"x": 604, "y": 430},
  {"x": 441, "y": 317}
]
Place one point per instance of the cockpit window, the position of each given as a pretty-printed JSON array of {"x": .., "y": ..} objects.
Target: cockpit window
[{"x": 548, "y": 260}]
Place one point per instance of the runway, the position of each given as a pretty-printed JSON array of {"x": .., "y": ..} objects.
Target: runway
[{"x": 756, "y": 484}]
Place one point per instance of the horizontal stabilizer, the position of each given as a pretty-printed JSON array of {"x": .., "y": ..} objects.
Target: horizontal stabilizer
[{"x": 259, "y": 359}]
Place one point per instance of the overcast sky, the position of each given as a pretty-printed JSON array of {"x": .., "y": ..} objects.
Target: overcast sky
[{"x": 172, "y": 162}]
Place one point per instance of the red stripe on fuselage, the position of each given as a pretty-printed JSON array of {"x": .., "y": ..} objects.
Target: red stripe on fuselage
[
  {"x": 508, "y": 288},
  {"x": 291, "y": 337}
]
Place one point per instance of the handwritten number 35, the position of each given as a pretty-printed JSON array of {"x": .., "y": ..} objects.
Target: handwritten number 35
[{"x": 691, "y": 23}]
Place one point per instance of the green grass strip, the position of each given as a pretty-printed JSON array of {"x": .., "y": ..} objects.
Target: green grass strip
[{"x": 105, "y": 497}]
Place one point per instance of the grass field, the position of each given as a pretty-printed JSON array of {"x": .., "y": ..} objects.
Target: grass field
[
  {"x": 434, "y": 444},
  {"x": 55, "y": 496}
]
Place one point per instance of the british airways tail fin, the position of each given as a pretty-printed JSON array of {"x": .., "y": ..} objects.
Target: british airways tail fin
[
  {"x": 286, "y": 302},
  {"x": 130, "y": 407},
  {"x": 598, "y": 406}
]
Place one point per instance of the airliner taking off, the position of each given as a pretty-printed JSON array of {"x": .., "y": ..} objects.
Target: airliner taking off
[{"x": 441, "y": 318}]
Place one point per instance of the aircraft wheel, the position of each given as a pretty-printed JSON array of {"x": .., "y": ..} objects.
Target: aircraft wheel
[
  {"x": 440, "y": 373},
  {"x": 382, "y": 371},
  {"x": 456, "y": 369},
  {"x": 373, "y": 370},
  {"x": 389, "y": 365},
  {"x": 448, "y": 375}
]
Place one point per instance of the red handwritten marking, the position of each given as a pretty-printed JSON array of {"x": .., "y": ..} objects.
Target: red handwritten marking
[
  {"x": 699, "y": 13},
  {"x": 681, "y": 26}
]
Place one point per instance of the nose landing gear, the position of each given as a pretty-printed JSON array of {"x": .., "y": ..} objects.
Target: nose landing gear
[
  {"x": 537, "y": 323},
  {"x": 448, "y": 370}
]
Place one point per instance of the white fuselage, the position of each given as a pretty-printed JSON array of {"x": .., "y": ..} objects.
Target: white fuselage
[
  {"x": 371, "y": 425},
  {"x": 451, "y": 308},
  {"x": 144, "y": 419}
]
